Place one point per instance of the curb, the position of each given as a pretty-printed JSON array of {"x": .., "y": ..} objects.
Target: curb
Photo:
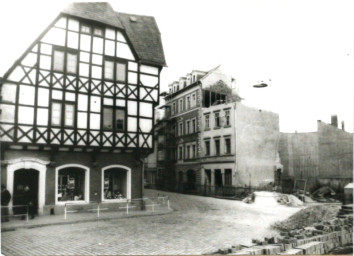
[{"x": 29, "y": 226}]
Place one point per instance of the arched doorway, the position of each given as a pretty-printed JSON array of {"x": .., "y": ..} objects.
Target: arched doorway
[
  {"x": 25, "y": 178},
  {"x": 27, "y": 164},
  {"x": 116, "y": 183}
]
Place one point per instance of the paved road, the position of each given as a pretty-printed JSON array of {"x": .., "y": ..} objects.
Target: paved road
[{"x": 198, "y": 226}]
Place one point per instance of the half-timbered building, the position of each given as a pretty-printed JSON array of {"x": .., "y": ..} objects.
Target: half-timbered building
[{"x": 77, "y": 108}]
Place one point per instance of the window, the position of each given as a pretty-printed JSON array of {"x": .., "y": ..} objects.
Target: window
[
  {"x": 180, "y": 105},
  {"x": 194, "y": 101},
  {"x": 71, "y": 184},
  {"x": 98, "y": 32},
  {"x": 180, "y": 129},
  {"x": 56, "y": 113},
  {"x": 115, "y": 184},
  {"x": 227, "y": 117},
  {"x": 228, "y": 177},
  {"x": 227, "y": 146},
  {"x": 120, "y": 116},
  {"x": 180, "y": 152},
  {"x": 207, "y": 121},
  {"x": 71, "y": 63},
  {"x": 69, "y": 114},
  {"x": 174, "y": 110},
  {"x": 207, "y": 147},
  {"x": 187, "y": 152},
  {"x": 107, "y": 118},
  {"x": 217, "y": 119},
  {"x": 194, "y": 127},
  {"x": 85, "y": 29},
  {"x": 193, "y": 151},
  {"x": 58, "y": 61},
  {"x": 188, "y": 103},
  {"x": 121, "y": 72},
  {"x": 108, "y": 70},
  {"x": 187, "y": 127},
  {"x": 108, "y": 123},
  {"x": 217, "y": 147}
]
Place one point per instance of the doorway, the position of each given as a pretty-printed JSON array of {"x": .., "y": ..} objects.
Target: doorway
[{"x": 25, "y": 178}]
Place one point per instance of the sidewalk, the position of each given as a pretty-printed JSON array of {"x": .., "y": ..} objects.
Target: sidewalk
[{"x": 47, "y": 220}]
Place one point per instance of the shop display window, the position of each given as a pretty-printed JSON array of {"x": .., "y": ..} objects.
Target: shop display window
[
  {"x": 115, "y": 184},
  {"x": 71, "y": 184}
]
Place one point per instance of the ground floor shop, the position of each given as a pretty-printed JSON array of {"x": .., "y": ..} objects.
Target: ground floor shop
[{"x": 55, "y": 179}]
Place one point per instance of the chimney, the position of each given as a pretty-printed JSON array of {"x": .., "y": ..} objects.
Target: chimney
[
  {"x": 343, "y": 125},
  {"x": 334, "y": 120}
]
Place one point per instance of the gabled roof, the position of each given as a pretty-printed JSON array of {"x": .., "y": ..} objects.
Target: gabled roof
[{"x": 142, "y": 31}]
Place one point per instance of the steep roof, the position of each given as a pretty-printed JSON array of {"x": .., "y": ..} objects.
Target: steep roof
[
  {"x": 145, "y": 36},
  {"x": 142, "y": 31}
]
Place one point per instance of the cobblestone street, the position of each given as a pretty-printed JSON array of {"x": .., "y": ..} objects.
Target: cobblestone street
[{"x": 198, "y": 225}]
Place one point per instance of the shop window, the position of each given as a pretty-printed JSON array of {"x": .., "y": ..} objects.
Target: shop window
[
  {"x": 115, "y": 184},
  {"x": 71, "y": 184}
]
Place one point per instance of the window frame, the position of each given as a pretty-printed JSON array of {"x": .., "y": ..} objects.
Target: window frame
[{"x": 217, "y": 146}]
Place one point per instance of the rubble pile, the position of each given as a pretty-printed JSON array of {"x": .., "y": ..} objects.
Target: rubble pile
[
  {"x": 308, "y": 216},
  {"x": 318, "y": 238}
]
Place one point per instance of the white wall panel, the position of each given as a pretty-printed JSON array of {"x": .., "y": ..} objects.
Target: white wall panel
[
  {"x": 132, "y": 124},
  {"x": 97, "y": 45},
  {"x": 8, "y": 92},
  {"x": 149, "y": 69},
  {"x": 57, "y": 95},
  {"x": 83, "y": 101},
  {"x": 85, "y": 42},
  {"x": 7, "y": 113},
  {"x": 95, "y": 104},
  {"x": 95, "y": 121},
  {"x": 42, "y": 116},
  {"x": 25, "y": 115},
  {"x": 82, "y": 120},
  {"x": 132, "y": 107},
  {"x": 145, "y": 109},
  {"x": 55, "y": 36},
  {"x": 45, "y": 62},
  {"x": 73, "y": 40},
  {"x": 145, "y": 124},
  {"x": 43, "y": 97},
  {"x": 30, "y": 59},
  {"x": 26, "y": 95},
  {"x": 123, "y": 51},
  {"x": 149, "y": 80}
]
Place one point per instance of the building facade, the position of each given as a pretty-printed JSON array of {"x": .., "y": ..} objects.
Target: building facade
[
  {"x": 321, "y": 158},
  {"x": 77, "y": 108}
]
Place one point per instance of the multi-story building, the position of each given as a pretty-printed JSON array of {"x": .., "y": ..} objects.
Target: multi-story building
[
  {"x": 218, "y": 140},
  {"x": 77, "y": 108}
]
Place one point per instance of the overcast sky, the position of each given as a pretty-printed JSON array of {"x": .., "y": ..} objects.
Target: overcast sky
[{"x": 304, "y": 47}]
